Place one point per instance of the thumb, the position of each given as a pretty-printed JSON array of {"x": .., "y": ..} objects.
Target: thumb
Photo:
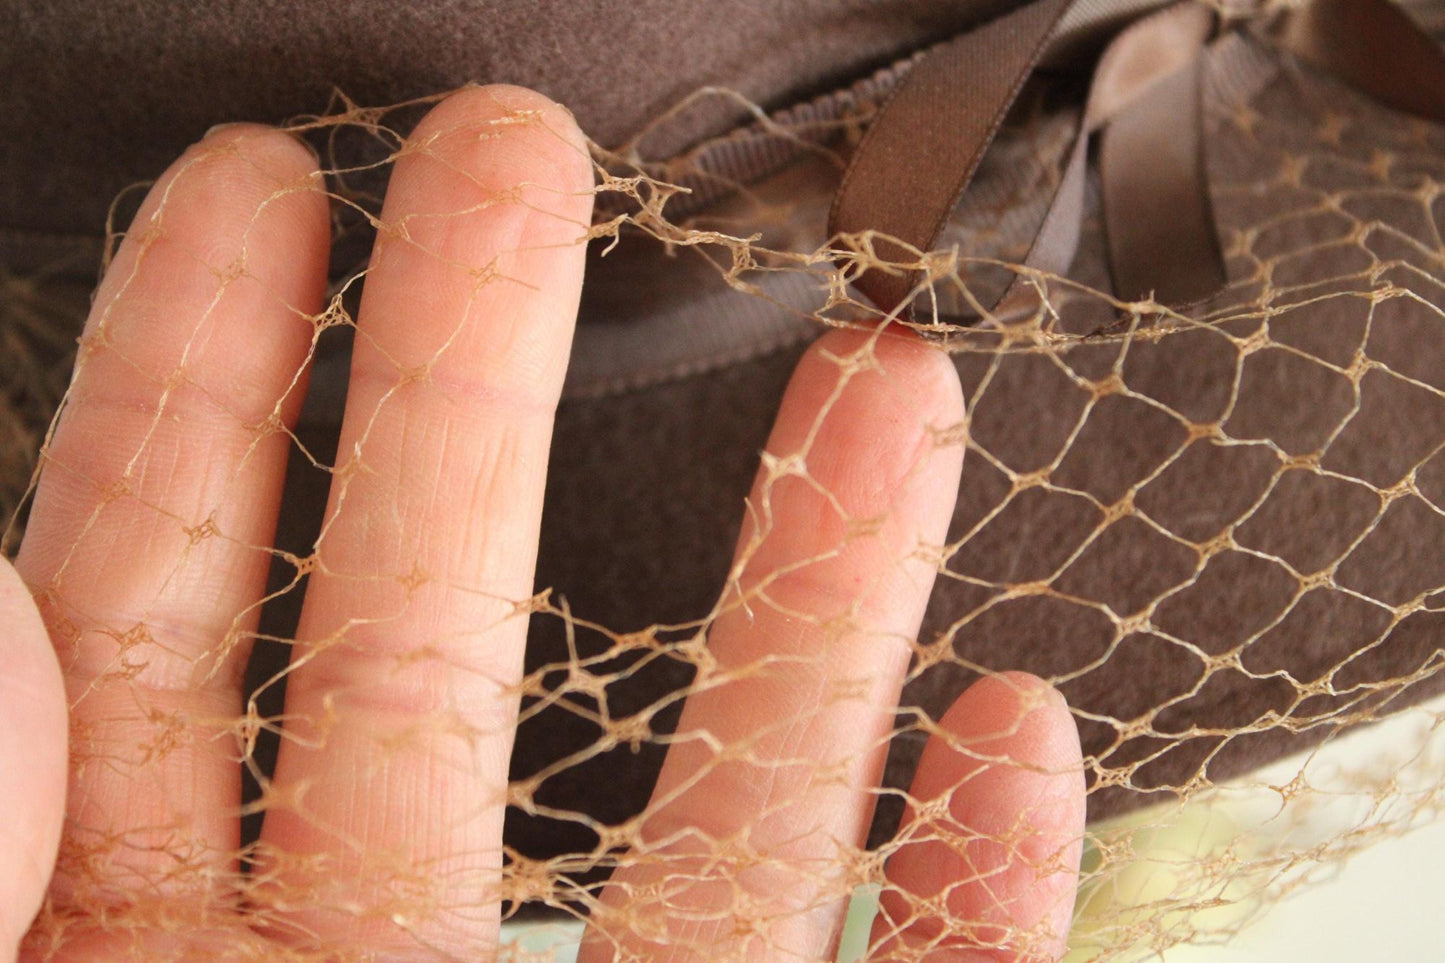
[{"x": 33, "y": 734}]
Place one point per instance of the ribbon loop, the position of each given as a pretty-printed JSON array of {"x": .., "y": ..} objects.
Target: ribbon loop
[
  {"x": 1146, "y": 102},
  {"x": 926, "y": 141}
]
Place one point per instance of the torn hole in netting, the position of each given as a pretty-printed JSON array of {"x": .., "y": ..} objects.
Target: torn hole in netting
[{"x": 1211, "y": 530}]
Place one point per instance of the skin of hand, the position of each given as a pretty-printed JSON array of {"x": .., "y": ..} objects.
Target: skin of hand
[{"x": 145, "y": 559}]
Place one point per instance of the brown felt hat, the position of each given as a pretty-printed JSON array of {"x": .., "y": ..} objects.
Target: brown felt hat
[{"x": 1261, "y": 510}]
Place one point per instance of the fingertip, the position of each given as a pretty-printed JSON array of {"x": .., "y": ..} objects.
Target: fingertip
[
  {"x": 216, "y": 189},
  {"x": 879, "y": 402},
  {"x": 1004, "y": 857},
  {"x": 1008, "y": 755},
  {"x": 490, "y": 200},
  {"x": 506, "y": 135},
  {"x": 890, "y": 425},
  {"x": 291, "y": 155},
  {"x": 922, "y": 370},
  {"x": 1024, "y": 709},
  {"x": 243, "y": 163}
]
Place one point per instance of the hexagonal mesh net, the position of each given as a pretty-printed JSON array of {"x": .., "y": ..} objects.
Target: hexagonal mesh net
[{"x": 1215, "y": 531}]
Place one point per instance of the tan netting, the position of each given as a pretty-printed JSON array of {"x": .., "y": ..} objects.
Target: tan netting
[{"x": 1215, "y": 531}]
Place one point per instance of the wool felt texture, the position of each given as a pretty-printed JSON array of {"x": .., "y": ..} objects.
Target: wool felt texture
[{"x": 110, "y": 94}]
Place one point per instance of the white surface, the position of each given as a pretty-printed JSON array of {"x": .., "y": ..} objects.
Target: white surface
[{"x": 1386, "y": 904}]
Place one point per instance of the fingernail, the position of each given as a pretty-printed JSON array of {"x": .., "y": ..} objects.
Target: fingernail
[
  {"x": 218, "y": 128},
  {"x": 315, "y": 157}
]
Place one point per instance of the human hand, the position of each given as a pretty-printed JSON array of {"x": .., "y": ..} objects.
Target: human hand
[{"x": 149, "y": 543}]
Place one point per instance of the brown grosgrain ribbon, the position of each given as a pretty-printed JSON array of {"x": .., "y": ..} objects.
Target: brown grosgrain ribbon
[
  {"x": 1158, "y": 219},
  {"x": 1146, "y": 99},
  {"x": 924, "y": 146},
  {"x": 927, "y": 139}
]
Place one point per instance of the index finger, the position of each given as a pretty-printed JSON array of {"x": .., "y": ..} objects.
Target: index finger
[{"x": 149, "y": 539}]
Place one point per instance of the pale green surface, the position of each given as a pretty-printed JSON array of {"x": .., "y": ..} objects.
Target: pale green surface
[
  {"x": 1378, "y": 903},
  {"x": 560, "y": 938},
  {"x": 1384, "y": 905},
  {"x": 860, "y": 922}
]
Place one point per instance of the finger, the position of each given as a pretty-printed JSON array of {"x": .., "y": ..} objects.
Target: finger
[
  {"x": 989, "y": 860},
  {"x": 32, "y": 760},
  {"x": 403, "y": 697},
  {"x": 148, "y": 539},
  {"x": 768, "y": 787}
]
